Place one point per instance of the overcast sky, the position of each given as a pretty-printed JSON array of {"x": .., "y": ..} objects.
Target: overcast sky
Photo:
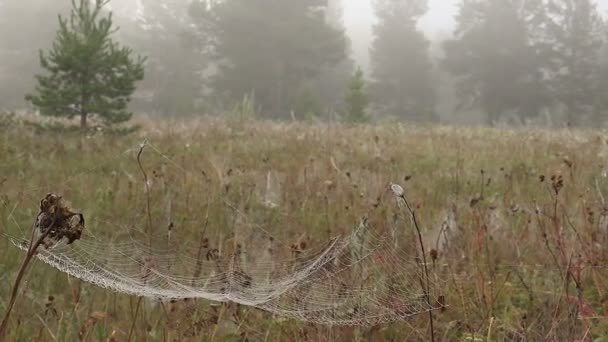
[{"x": 358, "y": 18}]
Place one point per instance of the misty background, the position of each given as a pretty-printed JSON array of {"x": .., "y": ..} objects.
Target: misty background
[{"x": 455, "y": 61}]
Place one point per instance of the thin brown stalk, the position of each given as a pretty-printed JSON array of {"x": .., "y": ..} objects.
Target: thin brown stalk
[
  {"x": 149, "y": 226},
  {"x": 145, "y": 175},
  {"x": 31, "y": 252},
  {"x": 425, "y": 287},
  {"x": 134, "y": 319}
]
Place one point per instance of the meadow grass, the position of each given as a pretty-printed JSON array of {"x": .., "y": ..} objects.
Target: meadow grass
[{"x": 514, "y": 221}]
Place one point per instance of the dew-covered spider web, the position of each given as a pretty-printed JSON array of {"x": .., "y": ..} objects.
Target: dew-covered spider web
[{"x": 163, "y": 225}]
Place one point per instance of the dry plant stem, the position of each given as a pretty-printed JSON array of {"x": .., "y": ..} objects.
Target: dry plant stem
[
  {"x": 219, "y": 319},
  {"x": 134, "y": 319},
  {"x": 143, "y": 171},
  {"x": 149, "y": 227},
  {"x": 166, "y": 333},
  {"x": 26, "y": 261},
  {"x": 201, "y": 245},
  {"x": 426, "y": 270}
]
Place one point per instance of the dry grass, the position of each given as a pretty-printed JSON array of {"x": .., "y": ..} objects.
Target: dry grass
[{"x": 515, "y": 222}]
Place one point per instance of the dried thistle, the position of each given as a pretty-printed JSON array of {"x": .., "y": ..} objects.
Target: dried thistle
[
  {"x": 557, "y": 183},
  {"x": 57, "y": 221},
  {"x": 54, "y": 222},
  {"x": 298, "y": 247},
  {"x": 49, "y": 306}
]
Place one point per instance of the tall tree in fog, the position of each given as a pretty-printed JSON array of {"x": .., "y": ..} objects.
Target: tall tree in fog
[
  {"x": 330, "y": 83},
  {"x": 25, "y": 26},
  {"x": 493, "y": 59},
  {"x": 575, "y": 34},
  {"x": 401, "y": 67},
  {"x": 86, "y": 72},
  {"x": 164, "y": 31},
  {"x": 271, "y": 49},
  {"x": 601, "y": 111}
]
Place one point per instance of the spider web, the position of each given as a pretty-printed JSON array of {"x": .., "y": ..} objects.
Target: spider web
[{"x": 362, "y": 277}]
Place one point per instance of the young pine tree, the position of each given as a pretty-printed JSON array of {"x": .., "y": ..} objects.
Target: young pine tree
[
  {"x": 356, "y": 100},
  {"x": 87, "y": 73}
]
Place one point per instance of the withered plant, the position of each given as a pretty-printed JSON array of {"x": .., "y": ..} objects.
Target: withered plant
[{"x": 54, "y": 222}]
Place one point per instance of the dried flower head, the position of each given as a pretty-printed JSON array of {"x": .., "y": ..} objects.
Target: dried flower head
[
  {"x": 434, "y": 254},
  {"x": 557, "y": 183},
  {"x": 397, "y": 190},
  {"x": 58, "y": 221}
]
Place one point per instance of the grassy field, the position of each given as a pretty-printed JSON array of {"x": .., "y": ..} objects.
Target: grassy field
[{"x": 515, "y": 223}]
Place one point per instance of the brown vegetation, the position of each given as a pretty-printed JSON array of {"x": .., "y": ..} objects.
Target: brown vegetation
[{"x": 515, "y": 223}]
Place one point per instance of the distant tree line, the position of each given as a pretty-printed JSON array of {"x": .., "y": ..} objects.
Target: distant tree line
[
  {"x": 522, "y": 57},
  {"x": 506, "y": 59}
]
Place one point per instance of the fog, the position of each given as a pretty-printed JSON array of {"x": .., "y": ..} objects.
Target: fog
[
  {"x": 359, "y": 18},
  {"x": 495, "y": 65}
]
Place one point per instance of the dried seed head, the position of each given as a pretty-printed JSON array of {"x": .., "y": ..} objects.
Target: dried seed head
[
  {"x": 57, "y": 220},
  {"x": 434, "y": 254},
  {"x": 474, "y": 201},
  {"x": 557, "y": 182},
  {"x": 397, "y": 190},
  {"x": 213, "y": 255}
]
